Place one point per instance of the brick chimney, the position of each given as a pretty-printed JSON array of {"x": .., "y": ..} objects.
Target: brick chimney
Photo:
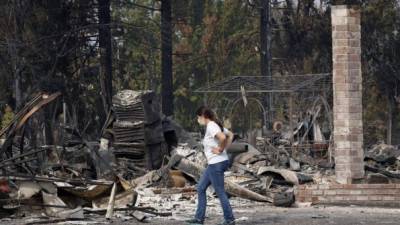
[{"x": 347, "y": 93}]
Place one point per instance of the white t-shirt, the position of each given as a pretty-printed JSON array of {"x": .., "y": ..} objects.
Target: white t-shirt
[{"x": 210, "y": 142}]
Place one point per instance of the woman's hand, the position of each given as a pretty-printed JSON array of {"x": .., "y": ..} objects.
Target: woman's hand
[{"x": 217, "y": 150}]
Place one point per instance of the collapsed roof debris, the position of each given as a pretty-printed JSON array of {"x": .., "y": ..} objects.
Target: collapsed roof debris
[{"x": 145, "y": 164}]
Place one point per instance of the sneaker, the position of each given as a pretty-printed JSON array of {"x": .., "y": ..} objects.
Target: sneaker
[
  {"x": 194, "y": 222},
  {"x": 228, "y": 223}
]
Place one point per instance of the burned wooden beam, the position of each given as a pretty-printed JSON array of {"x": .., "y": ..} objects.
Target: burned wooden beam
[
  {"x": 23, "y": 177},
  {"x": 148, "y": 210},
  {"x": 16, "y": 163},
  {"x": 382, "y": 171},
  {"x": 111, "y": 202},
  {"x": 54, "y": 221},
  {"x": 10, "y": 160}
]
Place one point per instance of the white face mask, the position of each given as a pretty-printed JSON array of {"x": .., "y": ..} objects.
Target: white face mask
[{"x": 201, "y": 120}]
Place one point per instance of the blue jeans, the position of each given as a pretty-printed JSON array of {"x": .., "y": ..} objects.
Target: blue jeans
[{"x": 214, "y": 175}]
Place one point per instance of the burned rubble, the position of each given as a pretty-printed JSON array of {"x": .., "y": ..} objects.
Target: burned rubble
[{"x": 146, "y": 165}]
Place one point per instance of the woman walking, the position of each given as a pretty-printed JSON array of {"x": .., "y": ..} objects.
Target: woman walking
[{"x": 216, "y": 140}]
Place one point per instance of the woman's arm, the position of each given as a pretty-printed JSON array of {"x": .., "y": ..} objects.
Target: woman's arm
[{"x": 222, "y": 140}]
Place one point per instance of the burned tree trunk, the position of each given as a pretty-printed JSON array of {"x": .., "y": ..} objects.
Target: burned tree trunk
[
  {"x": 198, "y": 11},
  {"x": 265, "y": 51},
  {"x": 264, "y": 38},
  {"x": 166, "y": 59},
  {"x": 105, "y": 53},
  {"x": 13, "y": 52}
]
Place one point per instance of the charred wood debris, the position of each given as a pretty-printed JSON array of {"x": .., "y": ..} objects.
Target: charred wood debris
[{"x": 146, "y": 165}]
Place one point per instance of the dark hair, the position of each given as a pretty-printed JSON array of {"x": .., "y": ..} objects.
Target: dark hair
[{"x": 209, "y": 114}]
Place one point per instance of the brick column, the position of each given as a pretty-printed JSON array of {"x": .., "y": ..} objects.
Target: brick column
[{"x": 347, "y": 93}]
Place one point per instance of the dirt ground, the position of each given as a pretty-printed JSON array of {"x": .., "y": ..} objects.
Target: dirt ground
[
  {"x": 307, "y": 216},
  {"x": 259, "y": 214}
]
